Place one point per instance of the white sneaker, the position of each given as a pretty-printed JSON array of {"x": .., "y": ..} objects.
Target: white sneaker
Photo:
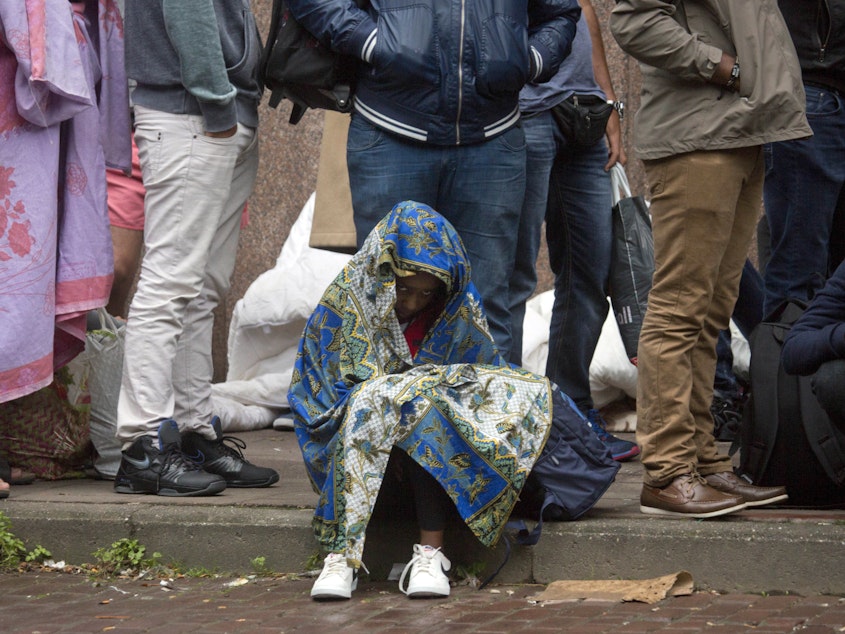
[
  {"x": 337, "y": 580},
  {"x": 427, "y": 578}
]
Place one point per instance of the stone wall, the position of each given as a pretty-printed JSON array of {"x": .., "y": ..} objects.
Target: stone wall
[{"x": 288, "y": 173}]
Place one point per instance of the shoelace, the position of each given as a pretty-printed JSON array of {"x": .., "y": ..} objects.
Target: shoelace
[
  {"x": 423, "y": 562},
  {"x": 234, "y": 448},
  {"x": 335, "y": 565},
  {"x": 690, "y": 482},
  {"x": 598, "y": 425},
  {"x": 172, "y": 456}
]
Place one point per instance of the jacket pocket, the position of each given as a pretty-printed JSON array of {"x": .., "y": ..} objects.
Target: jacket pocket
[
  {"x": 407, "y": 49},
  {"x": 241, "y": 52},
  {"x": 502, "y": 51}
]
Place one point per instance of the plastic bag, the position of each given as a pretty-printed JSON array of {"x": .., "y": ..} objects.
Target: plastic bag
[
  {"x": 104, "y": 351},
  {"x": 632, "y": 263}
]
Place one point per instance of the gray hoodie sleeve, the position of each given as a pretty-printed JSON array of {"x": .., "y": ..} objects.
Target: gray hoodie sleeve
[{"x": 193, "y": 31}]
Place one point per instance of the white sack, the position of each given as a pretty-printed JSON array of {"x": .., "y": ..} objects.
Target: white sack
[{"x": 266, "y": 326}]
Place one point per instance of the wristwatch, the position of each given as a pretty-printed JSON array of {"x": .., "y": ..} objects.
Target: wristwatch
[
  {"x": 731, "y": 83},
  {"x": 619, "y": 106}
]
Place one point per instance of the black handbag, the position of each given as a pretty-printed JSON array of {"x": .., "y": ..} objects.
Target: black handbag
[
  {"x": 296, "y": 66},
  {"x": 582, "y": 119}
]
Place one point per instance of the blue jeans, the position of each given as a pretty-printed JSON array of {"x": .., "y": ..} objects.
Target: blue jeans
[
  {"x": 747, "y": 313},
  {"x": 478, "y": 188},
  {"x": 804, "y": 183},
  {"x": 569, "y": 189}
]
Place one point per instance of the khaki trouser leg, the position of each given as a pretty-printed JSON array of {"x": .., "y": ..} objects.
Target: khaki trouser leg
[{"x": 704, "y": 208}]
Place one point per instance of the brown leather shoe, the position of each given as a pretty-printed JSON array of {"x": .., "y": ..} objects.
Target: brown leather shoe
[
  {"x": 729, "y": 482},
  {"x": 688, "y": 495}
]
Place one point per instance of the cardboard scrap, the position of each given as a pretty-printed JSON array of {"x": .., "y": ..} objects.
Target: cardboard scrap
[{"x": 642, "y": 590}]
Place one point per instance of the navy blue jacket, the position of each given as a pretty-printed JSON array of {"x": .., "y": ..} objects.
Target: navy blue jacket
[
  {"x": 819, "y": 334},
  {"x": 445, "y": 72}
]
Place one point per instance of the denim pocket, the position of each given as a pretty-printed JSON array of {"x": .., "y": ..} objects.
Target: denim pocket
[
  {"x": 513, "y": 139},
  {"x": 821, "y": 102},
  {"x": 362, "y": 135}
]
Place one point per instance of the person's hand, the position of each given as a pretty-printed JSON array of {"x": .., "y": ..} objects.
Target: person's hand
[
  {"x": 225, "y": 134},
  {"x": 615, "y": 151},
  {"x": 722, "y": 74}
]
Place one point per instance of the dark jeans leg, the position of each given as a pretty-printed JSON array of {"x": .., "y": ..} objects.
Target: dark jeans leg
[{"x": 804, "y": 180}]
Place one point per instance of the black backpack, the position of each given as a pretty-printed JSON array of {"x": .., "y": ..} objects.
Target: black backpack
[
  {"x": 296, "y": 66},
  {"x": 786, "y": 437}
]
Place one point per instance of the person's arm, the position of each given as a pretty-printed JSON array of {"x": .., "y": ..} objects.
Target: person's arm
[
  {"x": 192, "y": 29},
  {"x": 819, "y": 334},
  {"x": 551, "y": 29},
  {"x": 338, "y": 24},
  {"x": 615, "y": 150},
  {"x": 648, "y": 32}
]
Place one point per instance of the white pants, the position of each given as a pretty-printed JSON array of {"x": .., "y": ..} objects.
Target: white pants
[{"x": 196, "y": 189}]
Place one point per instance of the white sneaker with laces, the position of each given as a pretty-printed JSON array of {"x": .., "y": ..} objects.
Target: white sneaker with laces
[
  {"x": 337, "y": 580},
  {"x": 427, "y": 576}
]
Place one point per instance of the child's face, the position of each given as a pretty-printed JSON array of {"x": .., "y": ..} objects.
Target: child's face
[{"x": 414, "y": 294}]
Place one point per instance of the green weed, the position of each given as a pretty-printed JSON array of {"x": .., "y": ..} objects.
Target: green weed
[
  {"x": 12, "y": 549},
  {"x": 315, "y": 561},
  {"x": 38, "y": 555},
  {"x": 124, "y": 554}
]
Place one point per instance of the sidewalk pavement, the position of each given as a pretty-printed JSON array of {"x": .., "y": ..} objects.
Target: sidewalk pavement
[
  {"x": 50, "y": 603},
  {"x": 771, "y": 551}
]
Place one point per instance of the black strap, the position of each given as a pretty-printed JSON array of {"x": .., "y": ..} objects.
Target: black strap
[
  {"x": 275, "y": 16},
  {"x": 825, "y": 440},
  {"x": 523, "y": 536},
  {"x": 501, "y": 565},
  {"x": 760, "y": 421}
]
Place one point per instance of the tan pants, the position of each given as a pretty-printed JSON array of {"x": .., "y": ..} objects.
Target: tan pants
[{"x": 704, "y": 207}]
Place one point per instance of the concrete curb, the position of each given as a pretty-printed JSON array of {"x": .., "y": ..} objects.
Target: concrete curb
[
  {"x": 727, "y": 556},
  {"x": 759, "y": 550}
]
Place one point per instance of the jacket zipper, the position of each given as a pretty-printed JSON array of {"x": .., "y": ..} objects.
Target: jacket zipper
[
  {"x": 460, "y": 74},
  {"x": 824, "y": 5}
]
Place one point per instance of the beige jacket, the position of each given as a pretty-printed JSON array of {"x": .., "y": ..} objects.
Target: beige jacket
[{"x": 679, "y": 51}]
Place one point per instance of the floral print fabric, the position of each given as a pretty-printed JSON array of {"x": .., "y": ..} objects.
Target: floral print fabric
[
  {"x": 476, "y": 425},
  {"x": 64, "y": 116}
]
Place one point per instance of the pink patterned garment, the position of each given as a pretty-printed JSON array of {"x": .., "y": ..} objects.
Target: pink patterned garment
[{"x": 56, "y": 137}]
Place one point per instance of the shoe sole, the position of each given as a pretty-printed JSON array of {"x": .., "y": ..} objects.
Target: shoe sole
[
  {"x": 778, "y": 498},
  {"x": 427, "y": 594},
  {"x": 211, "y": 489},
  {"x": 627, "y": 456},
  {"x": 651, "y": 510},
  {"x": 336, "y": 596},
  {"x": 331, "y": 597},
  {"x": 247, "y": 484}
]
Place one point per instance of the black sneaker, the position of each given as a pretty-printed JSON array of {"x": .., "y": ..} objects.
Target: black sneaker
[
  {"x": 226, "y": 460},
  {"x": 163, "y": 470}
]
